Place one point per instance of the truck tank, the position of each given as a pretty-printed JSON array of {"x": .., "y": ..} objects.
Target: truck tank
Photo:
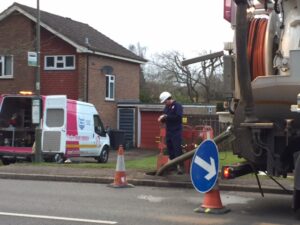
[{"x": 273, "y": 32}]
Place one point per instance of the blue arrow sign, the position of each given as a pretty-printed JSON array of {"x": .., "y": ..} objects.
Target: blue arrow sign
[{"x": 205, "y": 166}]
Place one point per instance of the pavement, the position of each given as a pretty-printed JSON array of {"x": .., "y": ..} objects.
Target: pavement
[{"x": 60, "y": 172}]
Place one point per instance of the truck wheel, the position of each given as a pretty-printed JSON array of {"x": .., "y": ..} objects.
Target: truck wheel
[
  {"x": 296, "y": 194},
  {"x": 103, "y": 158},
  {"x": 296, "y": 204}
]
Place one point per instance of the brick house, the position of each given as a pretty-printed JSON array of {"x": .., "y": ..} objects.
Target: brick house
[{"x": 76, "y": 60}]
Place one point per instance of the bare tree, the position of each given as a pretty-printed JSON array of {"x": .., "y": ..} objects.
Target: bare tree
[
  {"x": 210, "y": 75},
  {"x": 141, "y": 51},
  {"x": 138, "y": 49},
  {"x": 198, "y": 78}
]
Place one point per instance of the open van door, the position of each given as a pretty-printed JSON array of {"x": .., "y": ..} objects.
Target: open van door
[{"x": 54, "y": 126}]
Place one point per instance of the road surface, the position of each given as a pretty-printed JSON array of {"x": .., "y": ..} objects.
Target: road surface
[{"x": 39, "y": 202}]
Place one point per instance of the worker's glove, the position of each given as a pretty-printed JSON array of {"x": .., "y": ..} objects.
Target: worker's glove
[{"x": 162, "y": 118}]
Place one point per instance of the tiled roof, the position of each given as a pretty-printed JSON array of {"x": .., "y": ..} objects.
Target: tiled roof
[{"x": 79, "y": 34}]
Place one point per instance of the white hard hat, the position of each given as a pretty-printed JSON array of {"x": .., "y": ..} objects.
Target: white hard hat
[{"x": 164, "y": 96}]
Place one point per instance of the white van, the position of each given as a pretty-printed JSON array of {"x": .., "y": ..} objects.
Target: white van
[{"x": 69, "y": 129}]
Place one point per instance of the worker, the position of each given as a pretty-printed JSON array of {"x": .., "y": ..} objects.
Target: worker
[{"x": 172, "y": 118}]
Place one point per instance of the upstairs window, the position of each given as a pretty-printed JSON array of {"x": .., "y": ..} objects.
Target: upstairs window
[
  {"x": 60, "y": 62},
  {"x": 110, "y": 88},
  {"x": 6, "y": 66}
]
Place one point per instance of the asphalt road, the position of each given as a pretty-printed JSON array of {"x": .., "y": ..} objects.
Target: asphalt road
[{"x": 40, "y": 202}]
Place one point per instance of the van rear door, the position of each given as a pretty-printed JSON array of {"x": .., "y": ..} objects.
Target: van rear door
[{"x": 54, "y": 124}]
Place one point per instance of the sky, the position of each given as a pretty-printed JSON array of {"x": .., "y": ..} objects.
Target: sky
[{"x": 188, "y": 26}]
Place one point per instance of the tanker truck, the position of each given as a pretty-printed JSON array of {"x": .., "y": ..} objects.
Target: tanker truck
[
  {"x": 266, "y": 82},
  {"x": 262, "y": 68}
]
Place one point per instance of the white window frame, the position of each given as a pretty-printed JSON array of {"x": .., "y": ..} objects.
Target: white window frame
[
  {"x": 2, "y": 72},
  {"x": 110, "y": 94},
  {"x": 57, "y": 60}
]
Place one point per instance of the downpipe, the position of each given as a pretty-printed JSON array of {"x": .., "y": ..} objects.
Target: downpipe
[{"x": 180, "y": 159}]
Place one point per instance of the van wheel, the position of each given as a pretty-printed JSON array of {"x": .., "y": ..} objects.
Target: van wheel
[
  {"x": 58, "y": 158},
  {"x": 103, "y": 158},
  {"x": 30, "y": 159},
  {"x": 48, "y": 159},
  {"x": 5, "y": 161}
]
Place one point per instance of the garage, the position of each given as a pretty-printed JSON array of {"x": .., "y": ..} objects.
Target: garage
[
  {"x": 150, "y": 129},
  {"x": 139, "y": 121}
]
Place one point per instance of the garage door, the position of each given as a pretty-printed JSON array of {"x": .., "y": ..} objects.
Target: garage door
[
  {"x": 150, "y": 130},
  {"x": 126, "y": 123}
]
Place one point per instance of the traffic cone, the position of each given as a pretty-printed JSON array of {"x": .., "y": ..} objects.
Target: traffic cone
[
  {"x": 212, "y": 203},
  {"x": 120, "y": 174}
]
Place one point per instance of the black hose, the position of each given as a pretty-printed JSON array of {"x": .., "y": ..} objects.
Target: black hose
[
  {"x": 276, "y": 7},
  {"x": 220, "y": 138},
  {"x": 243, "y": 71}
]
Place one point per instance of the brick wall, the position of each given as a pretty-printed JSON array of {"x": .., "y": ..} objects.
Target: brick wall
[
  {"x": 127, "y": 79},
  {"x": 16, "y": 39},
  {"x": 64, "y": 82},
  {"x": 82, "y": 65}
]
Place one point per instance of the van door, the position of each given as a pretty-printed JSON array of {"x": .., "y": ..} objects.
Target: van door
[{"x": 54, "y": 124}]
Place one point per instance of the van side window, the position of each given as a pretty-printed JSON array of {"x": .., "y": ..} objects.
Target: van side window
[
  {"x": 99, "y": 129},
  {"x": 55, "y": 117}
]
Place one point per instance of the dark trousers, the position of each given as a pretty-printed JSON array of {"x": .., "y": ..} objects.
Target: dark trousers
[{"x": 173, "y": 143}]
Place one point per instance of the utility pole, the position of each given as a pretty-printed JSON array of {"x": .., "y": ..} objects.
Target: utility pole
[
  {"x": 38, "y": 131},
  {"x": 38, "y": 43}
]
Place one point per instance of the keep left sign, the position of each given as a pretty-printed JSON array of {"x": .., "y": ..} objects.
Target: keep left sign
[{"x": 205, "y": 166}]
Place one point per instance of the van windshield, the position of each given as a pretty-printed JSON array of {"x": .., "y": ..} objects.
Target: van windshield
[{"x": 99, "y": 129}]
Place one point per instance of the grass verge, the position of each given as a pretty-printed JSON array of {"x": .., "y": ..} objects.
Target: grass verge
[{"x": 146, "y": 163}]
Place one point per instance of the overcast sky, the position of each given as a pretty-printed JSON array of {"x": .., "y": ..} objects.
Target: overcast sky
[{"x": 188, "y": 26}]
